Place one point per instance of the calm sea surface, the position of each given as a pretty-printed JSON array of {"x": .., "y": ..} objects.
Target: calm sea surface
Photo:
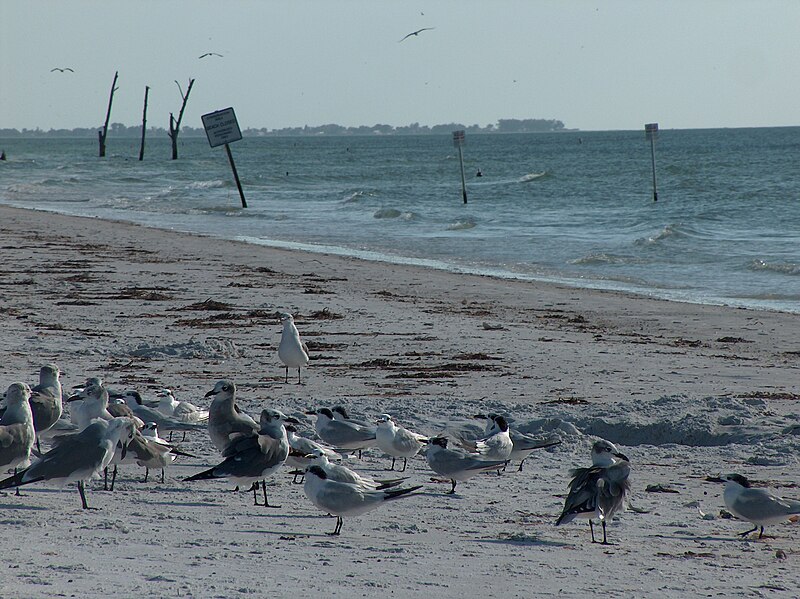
[{"x": 572, "y": 207}]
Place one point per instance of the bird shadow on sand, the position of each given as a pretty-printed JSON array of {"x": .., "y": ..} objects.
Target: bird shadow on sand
[
  {"x": 22, "y": 506},
  {"x": 522, "y": 539}
]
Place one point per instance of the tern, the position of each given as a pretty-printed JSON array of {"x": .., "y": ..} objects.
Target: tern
[
  {"x": 456, "y": 464},
  {"x": 397, "y": 441},
  {"x": 342, "y": 434},
  {"x": 522, "y": 444},
  {"x": 757, "y": 506},
  {"x": 598, "y": 492},
  {"x": 346, "y": 499}
]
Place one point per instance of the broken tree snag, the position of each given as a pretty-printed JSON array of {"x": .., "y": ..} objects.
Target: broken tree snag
[
  {"x": 144, "y": 122},
  {"x": 175, "y": 126},
  {"x": 102, "y": 134}
]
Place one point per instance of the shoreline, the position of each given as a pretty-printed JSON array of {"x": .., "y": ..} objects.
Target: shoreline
[{"x": 688, "y": 390}]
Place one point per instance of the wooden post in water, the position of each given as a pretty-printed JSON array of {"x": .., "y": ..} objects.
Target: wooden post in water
[
  {"x": 144, "y": 123},
  {"x": 236, "y": 176},
  {"x": 651, "y": 131},
  {"x": 458, "y": 140},
  {"x": 101, "y": 135}
]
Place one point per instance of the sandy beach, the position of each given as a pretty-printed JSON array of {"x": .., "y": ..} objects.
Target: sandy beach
[{"x": 686, "y": 391}]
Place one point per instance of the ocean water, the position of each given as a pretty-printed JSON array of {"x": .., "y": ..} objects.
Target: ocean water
[{"x": 571, "y": 207}]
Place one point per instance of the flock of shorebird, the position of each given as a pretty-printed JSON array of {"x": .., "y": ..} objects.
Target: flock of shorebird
[{"x": 105, "y": 429}]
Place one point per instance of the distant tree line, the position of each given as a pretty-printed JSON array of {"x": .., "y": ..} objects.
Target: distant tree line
[{"x": 119, "y": 130}]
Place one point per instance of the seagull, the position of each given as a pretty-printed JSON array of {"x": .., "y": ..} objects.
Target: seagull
[
  {"x": 60, "y": 70},
  {"x": 45, "y": 399},
  {"x": 342, "y": 434},
  {"x": 226, "y": 422},
  {"x": 345, "y": 499},
  {"x": 415, "y": 33},
  {"x": 397, "y": 441},
  {"x": 164, "y": 422},
  {"x": 255, "y": 457},
  {"x": 17, "y": 432},
  {"x": 77, "y": 457},
  {"x": 456, "y": 464},
  {"x": 757, "y": 506},
  {"x": 522, "y": 444},
  {"x": 209, "y": 54},
  {"x": 291, "y": 351},
  {"x": 598, "y": 491},
  {"x": 93, "y": 404}
]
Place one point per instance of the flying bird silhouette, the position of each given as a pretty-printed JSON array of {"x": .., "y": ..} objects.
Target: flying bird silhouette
[
  {"x": 417, "y": 32},
  {"x": 209, "y": 54},
  {"x": 60, "y": 70}
]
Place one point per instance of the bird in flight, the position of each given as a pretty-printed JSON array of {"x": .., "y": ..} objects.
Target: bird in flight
[
  {"x": 417, "y": 32},
  {"x": 60, "y": 70},
  {"x": 209, "y": 54}
]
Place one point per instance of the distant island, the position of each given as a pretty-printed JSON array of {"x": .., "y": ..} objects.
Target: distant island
[{"x": 119, "y": 130}]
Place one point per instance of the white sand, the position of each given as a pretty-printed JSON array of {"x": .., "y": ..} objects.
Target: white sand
[{"x": 685, "y": 391}]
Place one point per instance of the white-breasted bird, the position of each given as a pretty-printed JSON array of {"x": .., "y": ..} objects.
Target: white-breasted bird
[
  {"x": 46, "y": 399},
  {"x": 291, "y": 350},
  {"x": 456, "y": 464},
  {"x": 17, "y": 433},
  {"x": 757, "y": 506},
  {"x": 346, "y": 499},
  {"x": 523, "y": 444},
  {"x": 600, "y": 491},
  {"x": 342, "y": 434},
  {"x": 182, "y": 410},
  {"x": 343, "y": 474},
  {"x": 397, "y": 441}
]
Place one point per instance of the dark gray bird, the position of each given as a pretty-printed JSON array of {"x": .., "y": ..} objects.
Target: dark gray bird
[
  {"x": 600, "y": 491},
  {"x": 209, "y": 54},
  {"x": 60, "y": 70},
  {"x": 415, "y": 33}
]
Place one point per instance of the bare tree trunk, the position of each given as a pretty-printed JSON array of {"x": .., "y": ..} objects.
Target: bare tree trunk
[
  {"x": 175, "y": 126},
  {"x": 102, "y": 134},
  {"x": 144, "y": 123}
]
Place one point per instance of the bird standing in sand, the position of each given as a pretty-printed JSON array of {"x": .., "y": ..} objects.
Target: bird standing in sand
[
  {"x": 598, "y": 492},
  {"x": 16, "y": 428},
  {"x": 291, "y": 350},
  {"x": 397, "y": 441},
  {"x": 416, "y": 33},
  {"x": 757, "y": 506}
]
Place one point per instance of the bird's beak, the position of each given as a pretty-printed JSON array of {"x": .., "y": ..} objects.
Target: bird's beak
[
  {"x": 74, "y": 398},
  {"x": 292, "y": 420},
  {"x": 210, "y": 393},
  {"x": 622, "y": 456},
  {"x": 480, "y": 417},
  {"x": 311, "y": 412}
]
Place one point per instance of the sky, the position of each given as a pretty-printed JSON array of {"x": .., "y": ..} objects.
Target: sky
[{"x": 601, "y": 65}]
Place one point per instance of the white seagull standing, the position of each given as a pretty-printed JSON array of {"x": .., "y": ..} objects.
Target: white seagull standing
[
  {"x": 397, "y": 441},
  {"x": 600, "y": 491},
  {"x": 291, "y": 350},
  {"x": 345, "y": 499},
  {"x": 757, "y": 506}
]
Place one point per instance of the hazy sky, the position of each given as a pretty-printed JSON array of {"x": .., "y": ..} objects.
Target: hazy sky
[{"x": 607, "y": 64}]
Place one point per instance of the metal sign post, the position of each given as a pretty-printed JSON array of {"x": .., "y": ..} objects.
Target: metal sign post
[
  {"x": 651, "y": 132},
  {"x": 458, "y": 141},
  {"x": 222, "y": 128}
]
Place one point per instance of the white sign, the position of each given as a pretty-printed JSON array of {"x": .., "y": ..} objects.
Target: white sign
[
  {"x": 221, "y": 127},
  {"x": 458, "y": 138}
]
